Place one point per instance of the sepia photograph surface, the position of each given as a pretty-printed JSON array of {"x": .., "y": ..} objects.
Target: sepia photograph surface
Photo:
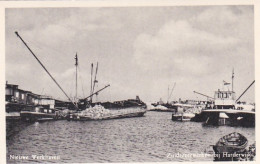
[{"x": 110, "y": 84}]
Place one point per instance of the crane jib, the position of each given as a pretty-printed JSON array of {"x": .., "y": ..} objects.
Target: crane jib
[{"x": 45, "y": 68}]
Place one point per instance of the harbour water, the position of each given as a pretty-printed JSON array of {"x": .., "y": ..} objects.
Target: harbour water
[{"x": 152, "y": 138}]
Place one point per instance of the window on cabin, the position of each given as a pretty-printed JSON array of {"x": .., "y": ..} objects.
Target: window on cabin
[
  {"x": 17, "y": 94},
  {"x": 22, "y": 96}
]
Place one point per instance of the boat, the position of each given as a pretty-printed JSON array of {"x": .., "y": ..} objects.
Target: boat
[
  {"x": 82, "y": 106},
  {"x": 231, "y": 143},
  {"x": 222, "y": 109},
  {"x": 122, "y": 104},
  {"x": 38, "y": 113},
  {"x": 98, "y": 112},
  {"x": 168, "y": 106}
]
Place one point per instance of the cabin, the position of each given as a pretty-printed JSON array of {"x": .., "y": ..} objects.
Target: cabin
[{"x": 224, "y": 99}]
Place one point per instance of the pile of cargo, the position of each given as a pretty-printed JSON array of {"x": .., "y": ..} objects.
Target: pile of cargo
[
  {"x": 98, "y": 112},
  {"x": 95, "y": 112},
  {"x": 63, "y": 113}
]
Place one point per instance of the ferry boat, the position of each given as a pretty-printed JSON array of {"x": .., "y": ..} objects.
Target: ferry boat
[{"x": 223, "y": 109}]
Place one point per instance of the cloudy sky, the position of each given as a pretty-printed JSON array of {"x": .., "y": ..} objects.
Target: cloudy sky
[{"x": 140, "y": 50}]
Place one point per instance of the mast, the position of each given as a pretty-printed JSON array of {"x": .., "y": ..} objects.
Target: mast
[
  {"x": 44, "y": 68},
  {"x": 91, "y": 81},
  {"x": 95, "y": 80},
  {"x": 76, "y": 64},
  {"x": 233, "y": 80},
  {"x": 171, "y": 91},
  {"x": 168, "y": 94}
]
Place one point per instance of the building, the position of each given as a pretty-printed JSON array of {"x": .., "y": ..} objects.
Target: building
[{"x": 18, "y": 99}]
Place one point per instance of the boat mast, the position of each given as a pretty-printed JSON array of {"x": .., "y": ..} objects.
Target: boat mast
[
  {"x": 76, "y": 64},
  {"x": 233, "y": 80},
  {"x": 95, "y": 80},
  {"x": 171, "y": 91},
  {"x": 91, "y": 81},
  {"x": 168, "y": 94},
  {"x": 44, "y": 68}
]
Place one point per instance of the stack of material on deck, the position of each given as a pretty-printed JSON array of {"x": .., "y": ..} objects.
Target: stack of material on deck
[
  {"x": 150, "y": 106},
  {"x": 95, "y": 112},
  {"x": 98, "y": 112},
  {"x": 160, "y": 107}
]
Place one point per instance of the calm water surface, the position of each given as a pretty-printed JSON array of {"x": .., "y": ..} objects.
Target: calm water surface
[{"x": 152, "y": 138}]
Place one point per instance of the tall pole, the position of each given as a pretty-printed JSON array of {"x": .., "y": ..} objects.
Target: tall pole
[
  {"x": 168, "y": 94},
  {"x": 172, "y": 90},
  {"x": 91, "y": 81},
  {"x": 44, "y": 68},
  {"x": 233, "y": 80},
  {"x": 76, "y": 64},
  {"x": 95, "y": 80}
]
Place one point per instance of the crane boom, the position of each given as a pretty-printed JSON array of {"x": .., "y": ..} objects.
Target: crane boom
[
  {"x": 203, "y": 95},
  {"x": 245, "y": 90},
  {"x": 45, "y": 68},
  {"x": 96, "y": 92}
]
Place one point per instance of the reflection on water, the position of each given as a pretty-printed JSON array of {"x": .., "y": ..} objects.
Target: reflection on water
[{"x": 153, "y": 138}]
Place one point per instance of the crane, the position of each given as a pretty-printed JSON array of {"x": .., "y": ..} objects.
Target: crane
[{"x": 204, "y": 95}]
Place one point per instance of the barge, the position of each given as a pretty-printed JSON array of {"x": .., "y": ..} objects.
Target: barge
[{"x": 98, "y": 112}]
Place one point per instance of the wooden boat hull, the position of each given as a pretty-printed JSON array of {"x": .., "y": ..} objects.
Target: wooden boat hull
[
  {"x": 233, "y": 143},
  {"x": 75, "y": 117}
]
